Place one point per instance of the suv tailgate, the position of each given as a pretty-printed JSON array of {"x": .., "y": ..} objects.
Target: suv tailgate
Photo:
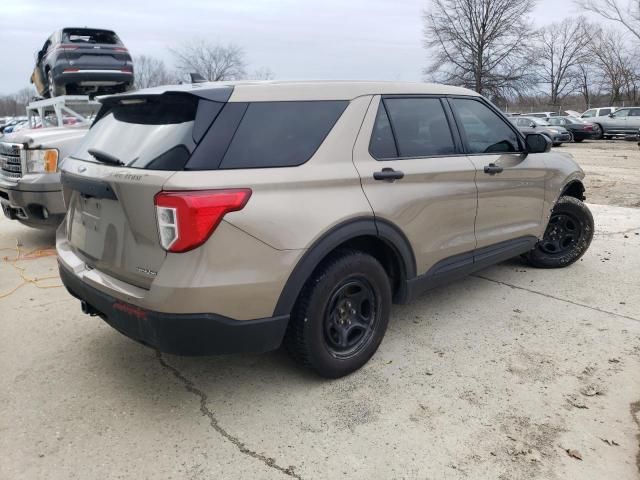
[{"x": 111, "y": 220}]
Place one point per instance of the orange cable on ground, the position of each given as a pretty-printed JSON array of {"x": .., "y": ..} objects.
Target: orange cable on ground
[{"x": 31, "y": 255}]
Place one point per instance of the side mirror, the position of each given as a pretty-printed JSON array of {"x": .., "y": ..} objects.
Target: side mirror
[
  {"x": 538, "y": 143},
  {"x": 532, "y": 125},
  {"x": 610, "y": 115}
]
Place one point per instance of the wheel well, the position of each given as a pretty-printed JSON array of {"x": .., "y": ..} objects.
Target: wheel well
[
  {"x": 574, "y": 189},
  {"x": 381, "y": 251}
]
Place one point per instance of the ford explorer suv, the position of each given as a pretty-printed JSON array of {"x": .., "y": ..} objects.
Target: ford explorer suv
[
  {"x": 234, "y": 217},
  {"x": 30, "y": 189},
  {"x": 82, "y": 61}
]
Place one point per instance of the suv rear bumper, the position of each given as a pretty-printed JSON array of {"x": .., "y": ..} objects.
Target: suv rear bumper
[{"x": 179, "y": 334}]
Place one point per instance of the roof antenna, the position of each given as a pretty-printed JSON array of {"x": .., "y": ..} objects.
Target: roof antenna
[{"x": 197, "y": 78}]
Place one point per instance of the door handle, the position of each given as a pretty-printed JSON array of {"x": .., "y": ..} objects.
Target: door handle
[
  {"x": 493, "y": 169},
  {"x": 388, "y": 174}
]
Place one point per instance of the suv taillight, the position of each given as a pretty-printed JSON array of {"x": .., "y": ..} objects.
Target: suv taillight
[{"x": 186, "y": 219}]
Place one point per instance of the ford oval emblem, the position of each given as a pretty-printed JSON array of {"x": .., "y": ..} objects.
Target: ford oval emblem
[{"x": 82, "y": 169}]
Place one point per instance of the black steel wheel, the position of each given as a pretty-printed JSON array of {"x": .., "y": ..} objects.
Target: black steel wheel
[
  {"x": 567, "y": 237},
  {"x": 350, "y": 317},
  {"x": 341, "y": 314}
]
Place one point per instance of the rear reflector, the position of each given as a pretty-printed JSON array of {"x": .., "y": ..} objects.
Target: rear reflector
[{"x": 186, "y": 219}]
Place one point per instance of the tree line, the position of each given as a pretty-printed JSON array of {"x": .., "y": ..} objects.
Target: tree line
[{"x": 491, "y": 47}]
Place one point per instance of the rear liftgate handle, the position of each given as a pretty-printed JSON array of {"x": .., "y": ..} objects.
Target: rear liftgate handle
[
  {"x": 493, "y": 169},
  {"x": 388, "y": 174}
]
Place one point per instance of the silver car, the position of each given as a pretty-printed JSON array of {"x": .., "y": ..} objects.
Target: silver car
[{"x": 621, "y": 122}]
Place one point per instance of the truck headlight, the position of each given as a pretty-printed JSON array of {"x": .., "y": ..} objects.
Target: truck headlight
[{"x": 41, "y": 161}]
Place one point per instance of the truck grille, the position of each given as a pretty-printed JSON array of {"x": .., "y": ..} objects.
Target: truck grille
[{"x": 10, "y": 161}]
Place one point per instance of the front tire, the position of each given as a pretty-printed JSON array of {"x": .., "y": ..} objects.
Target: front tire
[
  {"x": 567, "y": 238},
  {"x": 341, "y": 315},
  {"x": 599, "y": 135}
]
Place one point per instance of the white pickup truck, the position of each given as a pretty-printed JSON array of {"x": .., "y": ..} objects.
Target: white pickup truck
[{"x": 30, "y": 189}]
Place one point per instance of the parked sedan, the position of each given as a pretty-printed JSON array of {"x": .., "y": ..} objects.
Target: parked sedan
[
  {"x": 82, "y": 61},
  {"x": 527, "y": 125},
  {"x": 621, "y": 122},
  {"x": 579, "y": 129}
]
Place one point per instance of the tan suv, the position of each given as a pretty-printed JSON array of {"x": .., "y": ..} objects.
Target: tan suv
[{"x": 217, "y": 218}]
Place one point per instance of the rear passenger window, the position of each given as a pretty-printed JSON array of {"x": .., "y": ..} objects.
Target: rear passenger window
[
  {"x": 382, "y": 144},
  {"x": 485, "y": 131},
  {"x": 604, "y": 111},
  {"x": 420, "y": 127},
  {"x": 281, "y": 134},
  {"x": 635, "y": 112}
]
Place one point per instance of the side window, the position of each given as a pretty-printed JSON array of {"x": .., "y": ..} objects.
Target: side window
[
  {"x": 589, "y": 114},
  {"x": 485, "y": 131},
  {"x": 420, "y": 126},
  {"x": 523, "y": 122},
  {"x": 604, "y": 112},
  {"x": 281, "y": 134},
  {"x": 635, "y": 112},
  {"x": 382, "y": 144},
  {"x": 555, "y": 121},
  {"x": 622, "y": 113}
]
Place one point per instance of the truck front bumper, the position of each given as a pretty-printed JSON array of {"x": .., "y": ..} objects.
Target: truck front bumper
[{"x": 35, "y": 205}]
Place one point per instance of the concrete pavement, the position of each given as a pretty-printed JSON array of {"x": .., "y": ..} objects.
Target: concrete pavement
[{"x": 496, "y": 376}]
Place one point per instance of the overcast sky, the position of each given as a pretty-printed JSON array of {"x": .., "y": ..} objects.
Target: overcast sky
[{"x": 331, "y": 39}]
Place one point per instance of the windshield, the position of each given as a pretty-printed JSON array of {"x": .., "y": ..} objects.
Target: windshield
[{"x": 154, "y": 132}]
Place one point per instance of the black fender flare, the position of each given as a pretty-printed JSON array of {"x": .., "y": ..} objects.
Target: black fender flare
[{"x": 335, "y": 237}]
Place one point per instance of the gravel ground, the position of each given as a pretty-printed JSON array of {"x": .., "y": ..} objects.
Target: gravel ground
[
  {"x": 612, "y": 168},
  {"x": 513, "y": 373}
]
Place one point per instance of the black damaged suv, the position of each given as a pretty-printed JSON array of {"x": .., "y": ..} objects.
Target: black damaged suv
[{"x": 82, "y": 61}]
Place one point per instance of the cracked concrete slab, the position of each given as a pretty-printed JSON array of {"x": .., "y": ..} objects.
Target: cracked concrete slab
[{"x": 477, "y": 379}]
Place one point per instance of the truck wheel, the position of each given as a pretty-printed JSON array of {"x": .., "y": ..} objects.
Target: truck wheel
[
  {"x": 341, "y": 315},
  {"x": 54, "y": 90},
  {"x": 599, "y": 133},
  {"x": 567, "y": 238}
]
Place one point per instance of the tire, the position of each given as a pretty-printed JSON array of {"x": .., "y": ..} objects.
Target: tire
[
  {"x": 341, "y": 315},
  {"x": 599, "y": 135},
  {"x": 54, "y": 90},
  {"x": 567, "y": 237}
]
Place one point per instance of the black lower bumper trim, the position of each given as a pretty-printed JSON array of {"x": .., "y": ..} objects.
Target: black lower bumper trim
[{"x": 179, "y": 334}]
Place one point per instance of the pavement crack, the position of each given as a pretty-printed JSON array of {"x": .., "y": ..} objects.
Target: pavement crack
[
  {"x": 547, "y": 295},
  {"x": 204, "y": 409}
]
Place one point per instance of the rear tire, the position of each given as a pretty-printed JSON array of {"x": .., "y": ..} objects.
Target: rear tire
[
  {"x": 567, "y": 237},
  {"x": 54, "y": 90},
  {"x": 341, "y": 315}
]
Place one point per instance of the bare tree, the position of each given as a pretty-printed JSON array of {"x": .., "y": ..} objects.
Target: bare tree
[
  {"x": 262, "y": 73},
  {"x": 563, "y": 47},
  {"x": 624, "y": 12},
  {"x": 151, "y": 72},
  {"x": 612, "y": 60},
  {"x": 213, "y": 61},
  {"x": 15, "y": 104},
  {"x": 586, "y": 80},
  {"x": 479, "y": 44}
]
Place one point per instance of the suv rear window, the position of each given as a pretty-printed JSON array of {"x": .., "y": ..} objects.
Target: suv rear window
[
  {"x": 90, "y": 36},
  {"x": 154, "y": 132},
  {"x": 281, "y": 134}
]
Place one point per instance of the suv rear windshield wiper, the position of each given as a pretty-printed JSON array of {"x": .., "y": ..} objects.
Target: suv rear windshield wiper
[{"x": 104, "y": 157}]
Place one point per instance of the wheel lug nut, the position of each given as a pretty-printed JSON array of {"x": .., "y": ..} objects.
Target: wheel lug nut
[{"x": 353, "y": 312}]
